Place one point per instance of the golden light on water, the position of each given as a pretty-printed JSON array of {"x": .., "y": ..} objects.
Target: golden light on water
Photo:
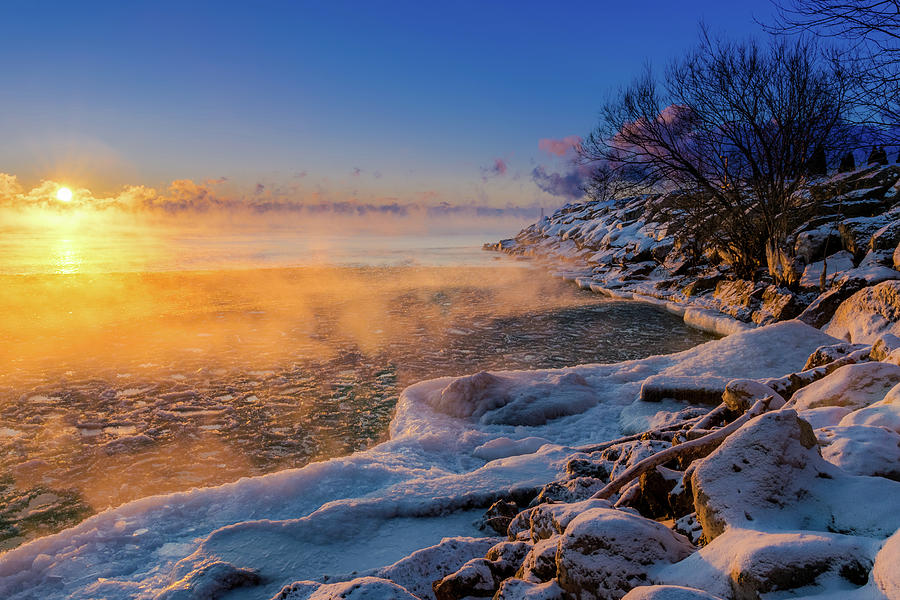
[{"x": 64, "y": 194}]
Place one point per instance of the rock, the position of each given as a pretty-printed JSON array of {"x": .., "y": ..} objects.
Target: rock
[
  {"x": 667, "y": 592},
  {"x": 605, "y": 552},
  {"x": 702, "y": 284},
  {"x": 583, "y": 467},
  {"x": 824, "y": 416},
  {"x": 769, "y": 475},
  {"x": 868, "y": 314},
  {"x": 897, "y": 257},
  {"x": 655, "y": 486},
  {"x": 885, "y": 573},
  {"x": 573, "y": 489},
  {"x": 693, "y": 389},
  {"x": 744, "y": 564},
  {"x": 884, "y": 346},
  {"x": 778, "y": 304},
  {"x": 886, "y": 237},
  {"x": 478, "y": 578},
  {"x": 362, "y": 588},
  {"x": 499, "y": 516},
  {"x": 822, "y": 309},
  {"x": 856, "y": 233},
  {"x": 862, "y": 450},
  {"x": 885, "y": 413},
  {"x": 519, "y": 589},
  {"x": 836, "y": 264},
  {"x": 824, "y": 355},
  {"x": 852, "y": 386},
  {"x": 551, "y": 519},
  {"x": 738, "y": 297},
  {"x": 208, "y": 579},
  {"x": 741, "y": 394},
  {"x": 419, "y": 570},
  {"x": 812, "y": 244},
  {"x": 540, "y": 563}
]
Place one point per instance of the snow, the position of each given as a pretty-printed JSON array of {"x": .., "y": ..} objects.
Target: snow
[
  {"x": 504, "y": 447},
  {"x": 373, "y": 508},
  {"x": 838, "y": 263}
]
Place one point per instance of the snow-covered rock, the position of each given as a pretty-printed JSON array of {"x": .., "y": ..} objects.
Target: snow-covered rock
[
  {"x": 853, "y": 386},
  {"x": 885, "y": 413},
  {"x": 886, "y": 573},
  {"x": 363, "y": 588},
  {"x": 605, "y": 552},
  {"x": 868, "y": 314},
  {"x": 861, "y": 449},
  {"x": 770, "y": 475},
  {"x": 667, "y": 592},
  {"x": 744, "y": 564},
  {"x": 500, "y": 400}
]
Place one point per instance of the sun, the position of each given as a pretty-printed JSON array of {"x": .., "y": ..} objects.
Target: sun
[{"x": 64, "y": 194}]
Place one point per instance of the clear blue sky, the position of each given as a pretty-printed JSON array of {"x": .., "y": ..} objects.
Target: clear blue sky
[{"x": 422, "y": 98}]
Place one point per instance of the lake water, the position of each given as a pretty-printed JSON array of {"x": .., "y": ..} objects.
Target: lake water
[{"x": 119, "y": 385}]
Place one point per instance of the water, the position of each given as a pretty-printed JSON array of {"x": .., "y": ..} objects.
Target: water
[{"x": 121, "y": 385}]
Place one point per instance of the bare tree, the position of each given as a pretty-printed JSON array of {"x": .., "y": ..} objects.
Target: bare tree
[
  {"x": 729, "y": 132},
  {"x": 871, "y": 32}
]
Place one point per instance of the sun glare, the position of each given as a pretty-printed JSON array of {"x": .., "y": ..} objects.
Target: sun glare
[{"x": 64, "y": 194}]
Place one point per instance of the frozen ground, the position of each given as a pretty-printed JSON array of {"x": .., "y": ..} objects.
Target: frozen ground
[{"x": 433, "y": 479}]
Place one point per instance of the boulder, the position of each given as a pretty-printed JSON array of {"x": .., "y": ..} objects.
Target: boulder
[
  {"x": 824, "y": 355},
  {"x": 836, "y": 264},
  {"x": 478, "y": 578},
  {"x": 361, "y": 588},
  {"x": 868, "y": 314},
  {"x": 862, "y": 450},
  {"x": 769, "y": 475},
  {"x": 605, "y": 552},
  {"x": 741, "y": 394},
  {"x": 778, "y": 304},
  {"x": 540, "y": 563},
  {"x": 853, "y": 386},
  {"x": 881, "y": 414},
  {"x": 884, "y": 346},
  {"x": 885, "y": 573},
  {"x": 744, "y": 564},
  {"x": 822, "y": 309},
  {"x": 856, "y": 233},
  {"x": 667, "y": 592}
]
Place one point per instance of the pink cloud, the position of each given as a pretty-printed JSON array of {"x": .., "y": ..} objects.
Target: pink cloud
[{"x": 560, "y": 147}]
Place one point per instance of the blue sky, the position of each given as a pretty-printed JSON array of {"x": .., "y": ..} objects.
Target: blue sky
[{"x": 412, "y": 101}]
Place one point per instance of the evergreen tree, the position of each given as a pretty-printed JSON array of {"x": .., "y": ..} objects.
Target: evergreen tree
[{"x": 848, "y": 163}]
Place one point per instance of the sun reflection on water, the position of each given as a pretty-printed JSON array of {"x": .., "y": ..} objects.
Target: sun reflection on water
[{"x": 67, "y": 257}]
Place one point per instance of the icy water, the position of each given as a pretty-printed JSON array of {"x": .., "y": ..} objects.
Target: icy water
[{"x": 118, "y": 386}]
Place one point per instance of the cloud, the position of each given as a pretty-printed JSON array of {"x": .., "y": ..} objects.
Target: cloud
[
  {"x": 209, "y": 200},
  {"x": 568, "y": 184},
  {"x": 498, "y": 169},
  {"x": 562, "y": 147}
]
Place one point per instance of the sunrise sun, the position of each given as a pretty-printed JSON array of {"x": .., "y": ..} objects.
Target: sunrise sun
[{"x": 64, "y": 194}]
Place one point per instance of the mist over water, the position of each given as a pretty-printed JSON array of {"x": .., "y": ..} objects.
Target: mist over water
[{"x": 146, "y": 380}]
